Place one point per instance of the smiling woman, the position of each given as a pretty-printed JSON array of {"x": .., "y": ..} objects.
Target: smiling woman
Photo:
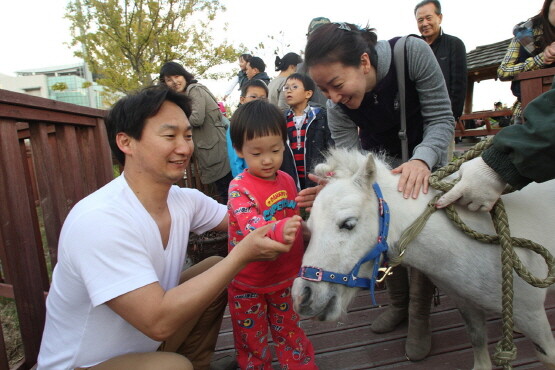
[{"x": 357, "y": 73}]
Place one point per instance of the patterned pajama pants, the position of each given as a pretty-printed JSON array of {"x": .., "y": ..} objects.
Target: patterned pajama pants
[{"x": 252, "y": 314}]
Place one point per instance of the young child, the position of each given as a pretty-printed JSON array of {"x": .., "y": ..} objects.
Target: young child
[
  {"x": 307, "y": 128},
  {"x": 252, "y": 90},
  {"x": 260, "y": 295}
]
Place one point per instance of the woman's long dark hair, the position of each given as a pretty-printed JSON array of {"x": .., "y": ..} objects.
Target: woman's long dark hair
[
  {"x": 340, "y": 42},
  {"x": 542, "y": 20}
]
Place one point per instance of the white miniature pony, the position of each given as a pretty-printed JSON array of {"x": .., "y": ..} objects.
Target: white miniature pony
[{"x": 344, "y": 225}]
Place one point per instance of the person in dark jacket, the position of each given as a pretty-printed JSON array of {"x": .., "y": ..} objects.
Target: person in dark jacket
[
  {"x": 256, "y": 70},
  {"x": 449, "y": 50},
  {"x": 308, "y": 134},
  {"x": 520, "y": 154}
]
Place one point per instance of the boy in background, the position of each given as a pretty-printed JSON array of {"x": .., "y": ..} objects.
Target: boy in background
[
  {"x": 307, "y": 128},
  {"x": 252, "y": 90}
]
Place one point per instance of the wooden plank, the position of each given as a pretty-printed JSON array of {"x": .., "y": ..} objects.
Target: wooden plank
[
  {"x": 34, "y": 114},
  {"x": 85, "y": 140},
  {"x": 104, "y": 171},
  {"x": 14, "y": 98},
  {"x": 20, "y": 242},
  {"x": 69, "y": 158},
  {"x": 32, "y": 193},
  {"x": 50, "y": 187}
]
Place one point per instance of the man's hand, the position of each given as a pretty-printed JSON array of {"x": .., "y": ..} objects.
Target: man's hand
[
  {"x": 306, "y": 197},
  {"x": 414, "y": 176},
  {"x": 256, "y": 246},
  {"x": 478, "y": 189}
]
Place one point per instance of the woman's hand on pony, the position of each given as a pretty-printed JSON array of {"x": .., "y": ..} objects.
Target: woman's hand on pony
[
  {"x": 306, "y": 197},
  {"x": 414, "y": 176}
]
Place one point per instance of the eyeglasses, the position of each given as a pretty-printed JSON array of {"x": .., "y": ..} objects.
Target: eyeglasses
[{"x": 292, "y": 87}]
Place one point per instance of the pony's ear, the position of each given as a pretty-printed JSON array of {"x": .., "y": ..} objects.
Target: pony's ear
[
  {"x": 322, "y": 169},
  {"x": 365, "y": 176}
]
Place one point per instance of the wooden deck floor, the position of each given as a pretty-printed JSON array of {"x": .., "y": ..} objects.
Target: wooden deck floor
[{"x": 351, "y": 344}]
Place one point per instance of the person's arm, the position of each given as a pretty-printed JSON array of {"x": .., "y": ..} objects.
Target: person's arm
[
  {"x": 159, "y": 313},
  {"x": 343, "y": 130},
  {"x": 198, "y": 107},
  {"x": 439, "y": 124},
  {"x": 232, "y": 83},
  {"x": 509, "y": 67},
  {"x": 458, "y": 78},
  {"x": 519, "y": 155}
]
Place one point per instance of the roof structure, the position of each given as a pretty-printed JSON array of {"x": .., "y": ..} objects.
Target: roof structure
[{"x": 483, "y": 61}]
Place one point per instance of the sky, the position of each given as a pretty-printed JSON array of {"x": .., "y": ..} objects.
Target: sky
[{"x": 34, "y": 33}]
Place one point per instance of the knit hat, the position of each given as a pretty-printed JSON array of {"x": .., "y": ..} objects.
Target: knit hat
[{"x": 317, "y": 22}]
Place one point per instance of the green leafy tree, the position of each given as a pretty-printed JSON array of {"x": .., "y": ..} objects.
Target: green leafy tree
[{"x": 125, "y": 42}]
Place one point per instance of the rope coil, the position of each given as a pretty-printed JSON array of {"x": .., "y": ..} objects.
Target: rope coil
[{"x": 505, "y": 350}]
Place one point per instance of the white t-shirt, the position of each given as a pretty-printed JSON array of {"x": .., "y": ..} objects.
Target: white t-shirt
[{"x": 110, "y": 245}]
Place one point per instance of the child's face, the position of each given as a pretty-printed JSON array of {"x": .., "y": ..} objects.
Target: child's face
[
  {"x": 263, "y": 155},
  {"x": 254, "y": 93},
  {"x": 295, "y": 94}
]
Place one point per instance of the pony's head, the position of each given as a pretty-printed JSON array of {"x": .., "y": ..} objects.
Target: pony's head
[{"x": 344, "y": 218}]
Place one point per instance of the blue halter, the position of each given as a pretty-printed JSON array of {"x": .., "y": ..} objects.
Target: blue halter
[{"x": 352, "y": 279}]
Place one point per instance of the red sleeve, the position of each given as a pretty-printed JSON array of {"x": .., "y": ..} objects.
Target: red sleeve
[
  {"x": 276, "y": 233},
  {"x": 246, "y": 211}
]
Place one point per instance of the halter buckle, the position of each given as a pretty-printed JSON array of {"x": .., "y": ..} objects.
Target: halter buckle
[
  {"x": 318, "y": 273},
  {"x": 385, "y": 271}
]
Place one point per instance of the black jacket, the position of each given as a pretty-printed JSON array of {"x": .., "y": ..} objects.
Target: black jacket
[{"x": 450, "y": 53}]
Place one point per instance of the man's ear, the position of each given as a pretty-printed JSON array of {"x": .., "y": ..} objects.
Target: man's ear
[
  {"x": 242, "y": 100},
  {"x": 124, "y": 142}
]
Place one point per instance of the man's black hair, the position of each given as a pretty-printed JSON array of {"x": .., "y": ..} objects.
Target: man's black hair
[{"x": 129, "y": 114}]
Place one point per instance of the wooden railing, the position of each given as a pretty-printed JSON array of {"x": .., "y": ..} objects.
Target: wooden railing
[
  {"x": 69, "y": 157},
  {"x": 485, "y": 118},
  {"x": 534, "y": 83}
]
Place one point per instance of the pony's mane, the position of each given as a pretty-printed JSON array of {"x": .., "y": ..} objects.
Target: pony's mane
[{"x": 344, "y": 163}]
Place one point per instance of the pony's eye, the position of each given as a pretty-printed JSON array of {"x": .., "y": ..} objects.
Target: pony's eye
[{"x": 349, "y": 223}]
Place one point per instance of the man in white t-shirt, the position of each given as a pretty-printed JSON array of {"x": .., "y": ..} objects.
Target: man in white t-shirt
[{"x": 118, "y": 298}]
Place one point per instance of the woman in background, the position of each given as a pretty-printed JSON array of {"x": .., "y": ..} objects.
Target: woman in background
[
  {"x": 287, "y": 66},
  {"x": 533, "y": 47}
]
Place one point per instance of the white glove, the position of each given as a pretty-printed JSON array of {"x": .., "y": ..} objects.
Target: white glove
[{"x": 478, "y": 189}]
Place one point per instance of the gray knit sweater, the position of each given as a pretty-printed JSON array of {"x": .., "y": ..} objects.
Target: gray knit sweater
[{"x": 439, "y": 124}]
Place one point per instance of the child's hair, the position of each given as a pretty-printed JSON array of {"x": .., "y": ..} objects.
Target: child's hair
[
  {"x": 254, "y": 119},
  {"x": 308, "y": 83},
  {"x": 257, "y": 83},
  {"x": 257, "y": 62},
  {"x": 288, "y": 59}
]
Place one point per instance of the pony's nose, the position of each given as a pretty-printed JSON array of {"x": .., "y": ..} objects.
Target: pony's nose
[{"x": 305, "y": 297}]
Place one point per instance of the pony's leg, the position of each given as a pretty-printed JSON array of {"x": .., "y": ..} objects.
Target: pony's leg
[
  {"x": 475, "y": 321},
  {"x": 533, "y": 323}
]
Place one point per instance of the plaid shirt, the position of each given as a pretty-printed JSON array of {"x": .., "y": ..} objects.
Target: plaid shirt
[{"x": 509, "y": 67}]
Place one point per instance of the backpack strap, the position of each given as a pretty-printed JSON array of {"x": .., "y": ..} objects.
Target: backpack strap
[{"x": 399, "y": 60}]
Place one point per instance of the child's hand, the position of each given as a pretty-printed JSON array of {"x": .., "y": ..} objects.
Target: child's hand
[{"x": 290, "y": 229}]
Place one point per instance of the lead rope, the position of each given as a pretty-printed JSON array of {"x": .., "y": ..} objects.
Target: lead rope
[{"x": 505, "y": 350}]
